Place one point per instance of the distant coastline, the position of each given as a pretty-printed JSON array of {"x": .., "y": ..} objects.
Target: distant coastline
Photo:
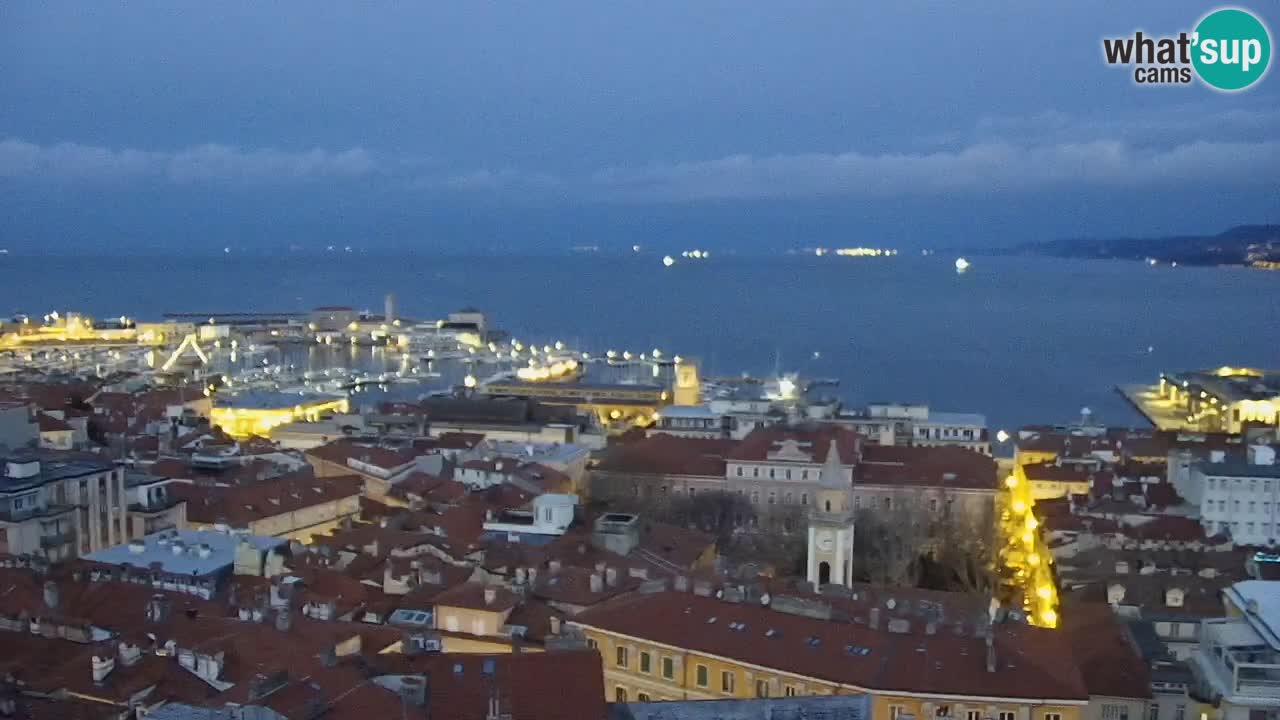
[{"x": 1244, "y": 245}]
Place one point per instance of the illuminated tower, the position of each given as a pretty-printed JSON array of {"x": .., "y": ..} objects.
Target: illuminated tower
[
  {"x": 831, "y": 525},
  {"x": 688, "y": 389}
]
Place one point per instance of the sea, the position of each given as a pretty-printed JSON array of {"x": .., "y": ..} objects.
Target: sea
[{"x": 1022, "y": 340}]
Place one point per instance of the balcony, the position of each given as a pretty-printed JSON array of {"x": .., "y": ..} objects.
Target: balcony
[{"x": 1234, "y": 662}]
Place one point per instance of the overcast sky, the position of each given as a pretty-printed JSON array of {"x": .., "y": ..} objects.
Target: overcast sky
[{"x": 542, "y": 125}]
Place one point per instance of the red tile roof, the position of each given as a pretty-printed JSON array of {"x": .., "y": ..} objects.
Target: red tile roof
[
  {"x": 1105, "y": 652},
  {"x": 472, "y": 596},
  {"x": 762, "y": 441},
  {"x": 942, "y": 466},
  {"x": 663, "y": 454},
  {"x": 241, "y": 505},
  {"x": 1030, "y": 662}
]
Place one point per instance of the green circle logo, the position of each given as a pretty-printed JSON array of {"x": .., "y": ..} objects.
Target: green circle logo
[{"x": 1232, "y": 49}]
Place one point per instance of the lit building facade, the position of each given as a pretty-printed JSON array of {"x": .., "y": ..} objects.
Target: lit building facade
[{"x": 257, "y": 413}]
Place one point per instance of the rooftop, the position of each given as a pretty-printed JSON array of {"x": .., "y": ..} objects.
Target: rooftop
[
  {"x": 900, "y": 656},
  {"x": 183, "y": 552},
  {"x": 32, "y": 470}
]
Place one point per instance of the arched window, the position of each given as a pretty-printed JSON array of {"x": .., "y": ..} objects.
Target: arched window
[
  {"x": 828, "y": 505},
  {"x": 620, "y": 694}
]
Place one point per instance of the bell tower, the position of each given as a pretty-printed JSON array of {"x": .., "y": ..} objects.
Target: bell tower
[
  {"x": 831, "y": 524},
  {"x": 688, "y": 389}
]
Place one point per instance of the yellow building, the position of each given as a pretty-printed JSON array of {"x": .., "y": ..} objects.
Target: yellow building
[
  {"x": 256, "y": 413},
  {"x": 686, "y": 646},
  {"x": 1052, "y": 479}
]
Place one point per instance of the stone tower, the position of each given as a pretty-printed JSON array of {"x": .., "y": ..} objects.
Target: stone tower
[{"x": 831, "y": 524}]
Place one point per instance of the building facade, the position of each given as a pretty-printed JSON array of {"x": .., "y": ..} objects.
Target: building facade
[{"x": 61, "y": 508}]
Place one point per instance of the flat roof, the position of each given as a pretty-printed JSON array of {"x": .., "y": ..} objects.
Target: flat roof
[
  {"x": 187, "y": 560},
  {"x": 51, "y": 470}
]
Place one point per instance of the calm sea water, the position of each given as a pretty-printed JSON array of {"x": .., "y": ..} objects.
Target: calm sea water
[{"x": 1023, "y": 340}]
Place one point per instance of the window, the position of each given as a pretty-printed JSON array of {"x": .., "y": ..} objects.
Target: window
[
  {"x": 942, "y": 711},
  {"x": 1154, "y": 712},
  {"x": 895, "y": 711},
  {"x": 789, "y": 691},
  {"x": 642, "y": 697},
  {"x": 1007, "y": 715},
  {"x": 804, "y": 474},
  {"x": 1052, "y": 716},
  {"x": 788, "y": 473},
  {"x": 1222, "y": 506},
  {"x": 762, "y": 688},
  {"x": 1112, "y": 712},
  {"x": 857, "y": 502},
  {"x": 755, "y": 472},
  {"x": 620, "y": 694},
  {"x": 773, "y": 497},
  {"x": 788, "y": 499},
  {"x": 1212, "y": 483},
  {"x": 700, "y": 675},
  {"x": 755, "y": 497},
  {"x": 644, "y": 662},
  {"x": 668, "y": 668},
  {"x": 770, "y": 473},
  {"x": 804, "y": 498},
  {"x": 1180, "y": 712},
  {"x": 622, "y": 657},
  {"x": 592, "y": 644},
  {"x": 972, "y": 715},
  {"x": 933, "y": 505},
  {"x": 888, "y": 503},
  {"x": 726, "y": 681},
  {"x": 1253, "y": 506},
  {"x": 739, "y": 471}
]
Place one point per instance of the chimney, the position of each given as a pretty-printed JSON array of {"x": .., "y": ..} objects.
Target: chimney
[
  {"x": 611, "y": 576},
  {"x": 555, "y": 624},
  {"x": 533, "y": 575},
  {"x": 554, "y": 566},
  {"x": 520, "y": 576},
  {"x": 991, "y": 653},
  {"x": 129, "y": 654},
  {"x": 597, "y": 584},
  {"x": 490, "y": 595},
  {"x": 931, "y": 627},
  {"x": 102, "y": 667},
  {"x": 874, "y": 621},
  {"x": 51, "y": 595},
  {"x": 283, "y": 620},
  {"x": 413, "y": 688}
]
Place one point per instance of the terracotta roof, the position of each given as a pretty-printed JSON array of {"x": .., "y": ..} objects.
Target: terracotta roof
[
  {"x": 559, "y": 685},
  {"x": 429, "y": 488},
  {"x": 49, "y": 423},
  {"x": 1105, "y": 652},
  {"x": 942, "y": 466},
  {"x": 339, "y": 451},
  {"x": 762, "y": 441},
  {"x": 471, "y": 595},
  {"x": 663, "y": 454},
  {"x": 243, "y": 504},
  {"x": 1030, "y": 662}
]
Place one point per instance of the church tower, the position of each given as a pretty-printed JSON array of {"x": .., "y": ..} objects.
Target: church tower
[
  {"x": 831, "y": 522},
  {"x": 688, "y": 388}
]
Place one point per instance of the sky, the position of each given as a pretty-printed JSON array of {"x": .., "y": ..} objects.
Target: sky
[{"x": 540, "y": 126}]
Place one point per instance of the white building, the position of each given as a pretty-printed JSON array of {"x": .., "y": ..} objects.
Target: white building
[
  {"x": 918, "y": 425},
  {"x": 549, "y": 514},
  {"x": 1237, "y": 664},
  {"x": 1241, "y": 497}
]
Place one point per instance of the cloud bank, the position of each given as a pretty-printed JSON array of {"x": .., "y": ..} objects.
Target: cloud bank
[
  {"x": 72, "y": 162},
  {"x": 1037, "y": 153}
]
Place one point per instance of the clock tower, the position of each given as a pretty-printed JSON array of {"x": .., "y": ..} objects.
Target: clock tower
[{"x": 831, "y": 524}]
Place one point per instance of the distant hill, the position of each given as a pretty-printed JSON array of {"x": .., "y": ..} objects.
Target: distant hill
[{"x": 1241, "y": 245}]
